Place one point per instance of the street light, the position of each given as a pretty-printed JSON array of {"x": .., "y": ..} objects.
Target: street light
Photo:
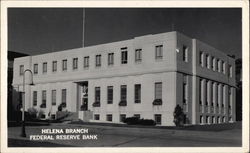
[{"x": 23, "y": 134}]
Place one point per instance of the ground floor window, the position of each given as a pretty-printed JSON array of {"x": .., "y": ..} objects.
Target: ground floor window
[
  {"x": 207, "y": 119},
  {"x": 109, "y": 117},
  {"x": 158, "y": 119},
  {"x": 201, "y": 119},
  {"x": 218, "y": 119},
  {"x": 122, "y": 117},
  {"x": 96, "y": 117}
]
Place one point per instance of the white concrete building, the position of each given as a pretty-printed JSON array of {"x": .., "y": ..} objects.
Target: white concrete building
[{"x": 146, "y": 77}]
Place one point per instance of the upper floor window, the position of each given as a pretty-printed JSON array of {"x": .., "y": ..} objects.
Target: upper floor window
[
  {"x": 123, "y": 93},
  {"x": 110, "y": 58},
  {"x": 185, "y": 89},
  {"x": 230, "y": 71},
  {"x": 201, "y": 58},
  {"x": 86, "y": 62},
  {"x": 34, "y": 98},
  {"x": 124, "y": 55},
  {"x": 54, "y": 66},
  {"x": 218, "y": 65},
  {"x": 137, "y": 93},
  {"x": 44, "y": 98},
  {"x": 35, "y": 68},
  {"x": 207, "y": 61},
  {"x": 64, "y": 96},
  {"x": 53, "y": 97},
  {"x": 98, "y": 60},
  {"x": 21, "y": 69},
  {"x": 138, "y": 55},
  {"x": 213, "y": 63},
  {"x": 45, "y": 67},
  {"x": 64, "y": 65},
  {"x": 110, "y": 94},
  {"x": 223, "y": 67},
  {"x": 185, "y": 53},
  {"x": 97, "y": 94},
  {"x": 75, "y": 63},
  {"x": 158, "y": 90},
  {"x": 158, "y": 52}
]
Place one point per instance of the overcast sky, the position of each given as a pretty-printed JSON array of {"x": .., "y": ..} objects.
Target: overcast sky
[{"x": 37, "y": 31}]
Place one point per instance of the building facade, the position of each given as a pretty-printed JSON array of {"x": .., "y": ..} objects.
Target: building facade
[{"x": 144, "y": 77}]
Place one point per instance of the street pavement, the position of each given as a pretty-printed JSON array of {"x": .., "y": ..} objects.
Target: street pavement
[{"x": 109, "y": 136}]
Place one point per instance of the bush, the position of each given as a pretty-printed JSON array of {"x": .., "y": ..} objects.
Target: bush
[
  {"x": 178, "y": 116},
  {"x": 137, "y": 121},
  {"x": 32, "y": 113},
  {"x": 147, "y": 122},
  {"x": 61, "y": 106},
  {"x": 131, "y": 120},
  {"x": 157, "y": 102}
]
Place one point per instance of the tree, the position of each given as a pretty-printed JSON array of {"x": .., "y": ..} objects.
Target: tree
[{"x": 178, "y": 116}]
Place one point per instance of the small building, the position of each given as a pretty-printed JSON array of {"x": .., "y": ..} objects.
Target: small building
[{"x": 144, "y": 77}]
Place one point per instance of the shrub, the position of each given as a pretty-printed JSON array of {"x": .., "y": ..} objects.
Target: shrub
[
  {"x": 157, "y": 102},
  {"x": 147, "y": 122},
  {"x": 137, "y": 121},
  {"x": 96, "y": 104},
  {"x": 43, "y": 105},
  {"x": 32, "y": 113},
  {"x": 178, "y": 116},
  {"x": 131, "y": 120},
  {"x": 61, "y": 106},
  {"x": 123, "y": 103}
]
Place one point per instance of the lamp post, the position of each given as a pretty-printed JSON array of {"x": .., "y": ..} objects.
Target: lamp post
[{"x": 23, "y": 133}]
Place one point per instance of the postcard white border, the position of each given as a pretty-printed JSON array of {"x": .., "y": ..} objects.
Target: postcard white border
[{"x": 244, "y": 4}]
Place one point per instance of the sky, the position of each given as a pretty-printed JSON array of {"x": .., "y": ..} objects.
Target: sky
[{"x": 42, "y": 30}]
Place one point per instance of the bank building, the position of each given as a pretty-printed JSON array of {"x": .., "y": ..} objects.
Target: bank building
[{"x": 146, "y": 77}]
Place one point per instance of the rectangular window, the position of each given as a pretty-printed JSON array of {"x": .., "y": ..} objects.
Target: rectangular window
[
  {"x": 207, "y": 61},
  {"x": 230, "y": 71},
  {"x": 137, "y": 116},
  {"x": 35, "y": 69},
  {"x": 200, "y": 93},
  {"x": 123, "y": 92},
  {"x": 158, "y": 119},
  {"x": 217, "y": 65},
  {"x": 53, "y": 96},
  {"x": 201, "y": 58},
  {"x": 137, "y": 93},
  {"x": 97, "y": 94},
  {"x": 75, "y": 63},
  {"x": 44, "y": 97},
  {"x": 124, "y": 55},
  {"x": 64, "y": 96},
  {"x": 34, "y": 98},
  {"x": 185, "y": 89},
  {"x": 138, "y": 55},
  {"x": 185, "y": 53},
  {"x": 21, "y": 69},
  {"x": 122, "y": 117},
  {"x": 97, "y": 117},
  {"x": 223, "y": 67},
  {"x": 213, "y": 63},
  {"x": 54, "y": 66},
  {"x": 45, "y": 67},
  {"x": 86, "y": 62},
  {"x": 98, "y": 61},
  {"x": 158, "y": 52},
  {"x": 110, "y": 94},
  {"x": 64, "y": 65},
  {"x": 109, "y": 117},
  {"x": 158, "y": 90},
  {"x": 110, "y": 58}
]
